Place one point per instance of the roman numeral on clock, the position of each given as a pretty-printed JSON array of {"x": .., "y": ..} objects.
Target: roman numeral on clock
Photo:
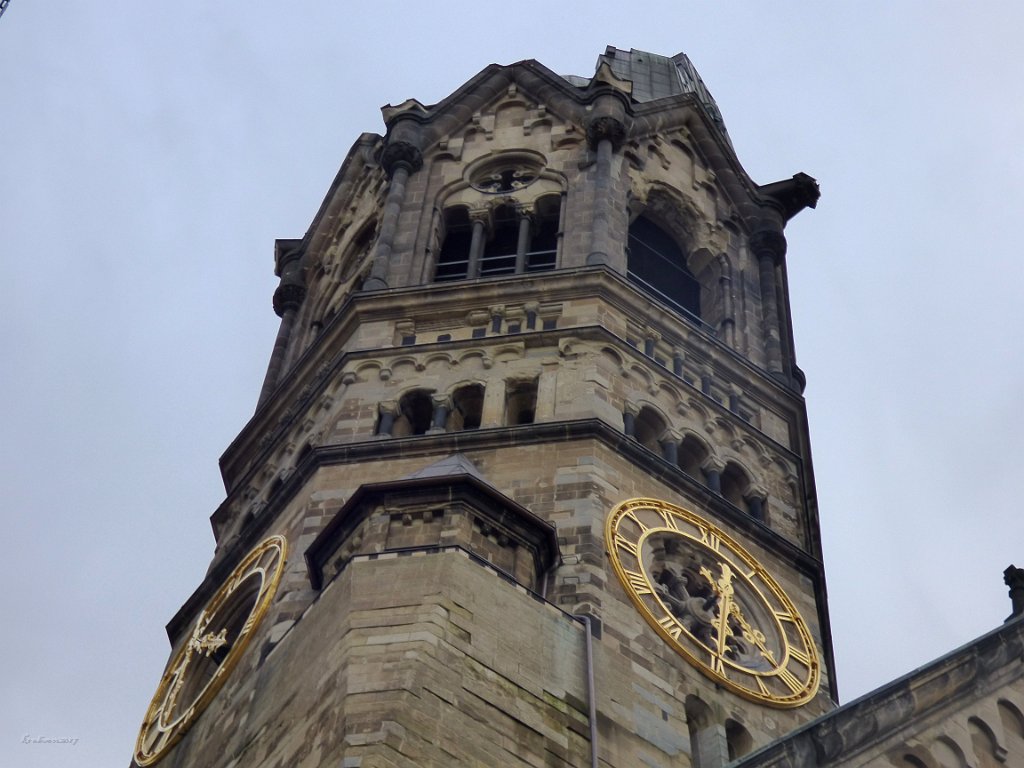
[
  {"x": 791, "y": 680},
  {"x": 669, "y": 625},
  {"x": 800, "y": 656},
  {"x": 627, "y": 546},
  {"x": 711, "y": 540},
  {"x": 638, "y": 583}
]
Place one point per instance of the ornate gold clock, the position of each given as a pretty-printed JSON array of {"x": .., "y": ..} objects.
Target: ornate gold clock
[
  {"x": 713, "y": 602},
  {"x": 221, "y": 633}
]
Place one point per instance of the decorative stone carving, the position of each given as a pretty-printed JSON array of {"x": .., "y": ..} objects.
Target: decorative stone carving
[
  {"x": 770, "y": 243},
  {"x": 289, "y": 295},
  {"x": 606, "y": 127},
  {"x": 400, "y": 154}
]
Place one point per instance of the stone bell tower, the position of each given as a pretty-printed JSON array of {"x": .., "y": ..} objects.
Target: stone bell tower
[{"x": 529, "y": 481}]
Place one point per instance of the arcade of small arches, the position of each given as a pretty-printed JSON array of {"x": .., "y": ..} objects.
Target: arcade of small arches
[
  {"x": 714, "y": 741},
  {"x": 423, "y": 411},
  {"x": 694, "y": 457},
  {"x": 988, "y": 744}
]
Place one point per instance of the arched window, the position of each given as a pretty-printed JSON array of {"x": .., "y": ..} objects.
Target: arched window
[
  {"x": 499, "y": 257},
  {"x": 543, "y": 249},
  {"x": 649, "y": 429},
  {"x": 467, "y": 408},
  {"x": 692, "y": 455},
  {"x": 656, "y": 263},
  {"x": 735, "y": 484},
  {"x": 1013, "y": 727},
  {"x": 415, "y": 411},
  {"x": 984, "y": 743},
  {"x": 737, "y": 739},
  {"x": 706, "y": 743},
  {"x": 512, "y": 241},
  {"x": 453, "y": 258},
  {"x": 520, "y": 402}
]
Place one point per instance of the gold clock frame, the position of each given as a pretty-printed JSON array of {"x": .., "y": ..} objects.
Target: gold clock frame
[
  {"x": 196, "y": 674},
  {"x": 788, "y": 668}
]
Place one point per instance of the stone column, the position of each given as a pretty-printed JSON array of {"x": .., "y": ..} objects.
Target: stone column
[
  {"x": 769, "y": 247},
  {"x": 287, "y": 300},
  {"x": 442, "y": 407},
  {"x": 669, "y": 442},
  {"x": 756, "y": 499},
  {"x": 678, "y": 357},
  {"x": 629, "y": 414},
  {"x": 388, "y": 410},
  {"x": 712, "y": 469},
  {"x": 399, "y": 159},
  {"x": 476, "y": 244},
  {"x": 523, "y": 243},
  {"x": 606, "y": 131},
  {"x": 728, "y": 323},
  {"x": 651, "y": 339}
]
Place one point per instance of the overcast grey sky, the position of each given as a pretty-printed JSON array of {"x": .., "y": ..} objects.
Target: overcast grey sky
[{"x": 150, "y": 153}]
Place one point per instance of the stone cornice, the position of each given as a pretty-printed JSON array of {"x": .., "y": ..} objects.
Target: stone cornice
[{"x": 315, "y": 371}]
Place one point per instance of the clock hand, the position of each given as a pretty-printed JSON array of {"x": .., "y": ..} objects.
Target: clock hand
[
  {"x": 753, "y": 635},
  {"x": 724, "y": 590}
]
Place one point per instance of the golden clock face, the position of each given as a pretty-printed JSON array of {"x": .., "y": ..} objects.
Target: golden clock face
[
  {"x": 713, "y": 602},
  {"x": 221, "y": 633}
]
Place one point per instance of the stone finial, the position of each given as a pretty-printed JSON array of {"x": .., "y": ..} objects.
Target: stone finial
[{"x": 1014, "y": 578}]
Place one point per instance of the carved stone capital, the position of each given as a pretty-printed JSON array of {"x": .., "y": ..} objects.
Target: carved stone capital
[
  {"x": 670, "y": 436},
  {"x": 606, "y": 127},
  {"x": 398, "y": 154},
  {"x": 713, "y": 464},
  {"x": 757, "y": 492},
  {"x": 289, "y": 295},
  {"x": 768, "y": 243}
]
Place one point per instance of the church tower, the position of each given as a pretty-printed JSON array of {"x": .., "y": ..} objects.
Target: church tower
[{"x": 529, "y": 480}]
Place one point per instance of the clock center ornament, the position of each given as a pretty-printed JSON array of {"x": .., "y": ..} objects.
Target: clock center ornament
[
  {"x": 221, "y": 633},
  {"x": 713, "y": 602}
]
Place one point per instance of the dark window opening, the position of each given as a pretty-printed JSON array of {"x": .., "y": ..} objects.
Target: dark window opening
[
  {"x": 415, "y": 414},
  {"x": 658, "y": 265},
  {"x": 738, "y": 741},
  {"x": 543, "y": 250},
  {"x": 649, "y": 429},
  {"x": 499, "y": 257},
  {"x": 512, "y": 244},
  {"x": 467, "y": 408},
  {"x": 453, "y": 259},
  {"x": 735, "y": 485},
  {"x": 692, "y": 455},
  {"x": 521, "y": 403}
]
